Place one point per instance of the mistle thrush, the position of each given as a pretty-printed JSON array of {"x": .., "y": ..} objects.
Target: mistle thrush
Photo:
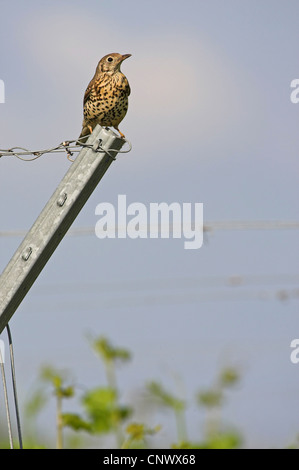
[{"x": 106, "y": 97}]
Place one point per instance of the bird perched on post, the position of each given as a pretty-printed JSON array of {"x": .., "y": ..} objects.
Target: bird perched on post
[{"x": 106, "y": 97}]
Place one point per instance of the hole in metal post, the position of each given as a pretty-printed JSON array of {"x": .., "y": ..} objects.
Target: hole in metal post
[
  {"x": 27, "y": 253},
  {"x": 61, "y": 200}
]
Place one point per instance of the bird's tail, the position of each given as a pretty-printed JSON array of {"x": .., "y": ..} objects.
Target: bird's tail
[{"x": 85, "y": 133}]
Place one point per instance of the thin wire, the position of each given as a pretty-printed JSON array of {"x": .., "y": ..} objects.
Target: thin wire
[
  {"x": 253, "y": 225},
  {"x": 208, "y": 227},
  {"x": 168, "y": 283},
  {"x": 6, "y": 400},
  {"x": 14, "y": 384},
  {"x": 68, "y": 146},
  {"x": 180, "y": 296}
]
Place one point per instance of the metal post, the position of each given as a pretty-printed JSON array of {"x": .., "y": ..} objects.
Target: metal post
[{"x": 55, "y": 219}]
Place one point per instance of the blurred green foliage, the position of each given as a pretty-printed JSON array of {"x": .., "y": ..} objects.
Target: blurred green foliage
[
  {"x": 103, "y": 409},
  {"x": 102, "y": 413}
]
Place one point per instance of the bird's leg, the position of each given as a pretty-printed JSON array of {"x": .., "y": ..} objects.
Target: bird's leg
[
  {"x": 90, "y": 128},
  {"x": 121, "y": 134}
]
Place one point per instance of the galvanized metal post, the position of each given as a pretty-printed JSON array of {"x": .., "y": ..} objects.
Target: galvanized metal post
[{"x": 55, "y": 219}]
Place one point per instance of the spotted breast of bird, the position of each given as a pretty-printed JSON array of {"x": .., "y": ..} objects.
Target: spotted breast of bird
[{"x": 106, "y": 97}]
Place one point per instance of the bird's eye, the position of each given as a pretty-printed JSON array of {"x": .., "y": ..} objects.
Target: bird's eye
[{"x": 110, "y": 59}]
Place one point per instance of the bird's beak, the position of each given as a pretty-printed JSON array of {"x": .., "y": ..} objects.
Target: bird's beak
[{"x": 125, "y": 56}]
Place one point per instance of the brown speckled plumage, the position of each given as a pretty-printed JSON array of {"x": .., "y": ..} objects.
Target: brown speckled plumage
[{"x": 106, "y": 97}]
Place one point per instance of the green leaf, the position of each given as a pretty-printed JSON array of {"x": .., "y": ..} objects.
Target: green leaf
[
  {"x": 108, "y": 352},
  {"x": 66, "y": 392},
  {"x": 103, "y": 410},
  {"x": 229, "y": 377},
  {"x": 53, "y": 376},
  {"x": 165, "y": 398},
  {"x": 225, "y": 440},
  {"x": 210, "y": 398},
  {"x": 49, "y": 374},
  {"x": 187, "y": 445},
  {"x": 137, "y": 433},
  {"x": 75, "y": 422},
  {"x": 57, "y": 379}
]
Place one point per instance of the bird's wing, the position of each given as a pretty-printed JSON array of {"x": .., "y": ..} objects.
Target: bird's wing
[
  {"x": 96, "y": 84},
  {"x": 87, "y": 92}
]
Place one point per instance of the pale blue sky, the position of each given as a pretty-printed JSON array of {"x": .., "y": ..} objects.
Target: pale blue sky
[{"x": 211, "y": 121}]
